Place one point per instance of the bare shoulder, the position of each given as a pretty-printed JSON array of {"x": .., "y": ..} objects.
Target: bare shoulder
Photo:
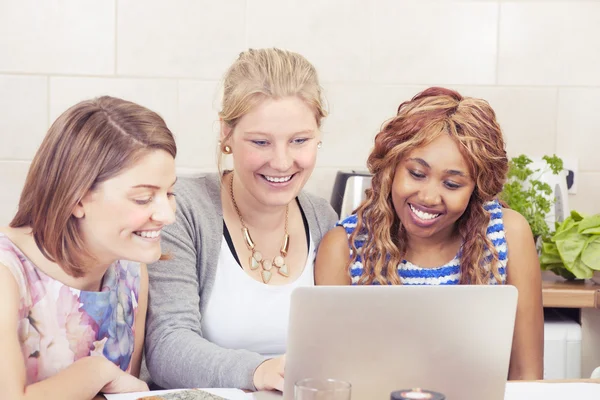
[
  {"x": 336, "y": 240},
  {"x": 514, "y": 221},
  {"x": 331, "y": 265},
  {"x": 10, "y": 232},
  {"x": 522, "y": 254},
  {"x": 339, "y": 232},
  {"x": 517, "y": 229},
  {"x": 17, "y": 235}
]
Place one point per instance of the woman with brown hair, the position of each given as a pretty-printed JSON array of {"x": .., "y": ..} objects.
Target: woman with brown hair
[
  {"x": 432, "y": 216},
  {"x": 73, "y": 280}
]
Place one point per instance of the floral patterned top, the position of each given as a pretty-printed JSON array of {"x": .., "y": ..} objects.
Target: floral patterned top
[{"x": 59, "y": 325}]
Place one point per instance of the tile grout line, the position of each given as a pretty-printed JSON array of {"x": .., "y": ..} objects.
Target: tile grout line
[
  {"x": 246, "y": 27},
  {"x": 177, "y": 110},
  {"x": 116, "y": 40},
  {"x": 556, "y": 111},
  {"x": 371, "y": 25},
  {"x": 497, "y": 78},
  {"x": 324, "y": 82},
  {"x": 48, "y": 88}
]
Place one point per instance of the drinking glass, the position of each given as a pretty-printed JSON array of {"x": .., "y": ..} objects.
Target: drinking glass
[{"x": 322, "y": 389}]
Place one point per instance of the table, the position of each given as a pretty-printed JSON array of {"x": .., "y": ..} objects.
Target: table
[
  {"x": 278, "y": 396},
  {"x": 585, "y": 295}
]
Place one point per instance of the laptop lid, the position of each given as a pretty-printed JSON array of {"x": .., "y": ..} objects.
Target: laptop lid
[{"x": 451, "y": 339}]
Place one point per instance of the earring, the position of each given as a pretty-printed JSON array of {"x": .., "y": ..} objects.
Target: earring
[
  {"x": 319, "y": 145},
  {"x": 226, "y": 149}
]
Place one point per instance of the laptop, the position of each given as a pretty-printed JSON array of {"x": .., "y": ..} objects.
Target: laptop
[{"x": 455, "y": 340}]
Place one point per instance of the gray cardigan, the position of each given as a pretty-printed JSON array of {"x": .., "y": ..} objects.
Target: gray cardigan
[{"x": 177, "y": 356}]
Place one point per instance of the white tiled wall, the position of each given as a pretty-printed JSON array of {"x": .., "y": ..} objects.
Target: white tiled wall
[
  {"x": 536, "y": 61},
  {"x": 549, "y": 43},
  {"x": 23, "y": 115},
  {"x": 66, "y": 37},
  {"x": 424, "y": 42},
  {"x": 157, "y": 94},
  {"x": 334, "y": 34},
  {"x": 178, "y": 38}
]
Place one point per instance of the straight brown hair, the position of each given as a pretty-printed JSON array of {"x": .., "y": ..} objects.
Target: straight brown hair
[{"x": 89, "y": 143}]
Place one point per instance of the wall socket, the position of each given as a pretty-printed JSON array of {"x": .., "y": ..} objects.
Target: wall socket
[{"x": 571, "y": 164}]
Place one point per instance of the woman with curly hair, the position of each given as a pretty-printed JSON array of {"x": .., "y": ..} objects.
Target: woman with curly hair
[{"x": 432, "y": 215}]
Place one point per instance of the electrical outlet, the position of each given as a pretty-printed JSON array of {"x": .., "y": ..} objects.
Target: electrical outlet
[{"x": 571, "y": 164}]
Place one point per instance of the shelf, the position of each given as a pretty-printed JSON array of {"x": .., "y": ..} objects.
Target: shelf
[{"x": 557, "y": 292}]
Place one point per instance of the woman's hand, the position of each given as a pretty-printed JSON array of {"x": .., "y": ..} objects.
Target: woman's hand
[
  {"x": 269, "y": 374},
  {"x": 124, "y": 382}
]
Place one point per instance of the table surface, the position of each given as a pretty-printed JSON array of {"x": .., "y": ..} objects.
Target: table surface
[
  {"x": 558, "y": 292},
  {"x": 277, "y": 395}
]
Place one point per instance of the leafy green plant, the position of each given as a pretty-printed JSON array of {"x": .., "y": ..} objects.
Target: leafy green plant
[
  {"x": 574, "y": 249},
  {"x": 525, "y": 193}
]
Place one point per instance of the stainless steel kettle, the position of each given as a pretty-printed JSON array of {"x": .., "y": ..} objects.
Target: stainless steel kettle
[{"x": 349, "y": 191}]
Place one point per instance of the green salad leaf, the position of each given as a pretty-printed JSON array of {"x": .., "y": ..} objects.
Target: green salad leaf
[
  {"x": 573, "y": 251},
  {"x": 592, "y": 222},
  {"x": 591, "y": 253}
]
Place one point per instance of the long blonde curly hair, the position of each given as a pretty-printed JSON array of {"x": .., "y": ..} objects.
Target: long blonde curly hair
[{"x": 472, "y": 124}]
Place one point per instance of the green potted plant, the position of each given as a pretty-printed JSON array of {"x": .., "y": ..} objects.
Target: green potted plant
[
  {"x": 526, "y": 193},
  {"x": 570, "y": 248}
]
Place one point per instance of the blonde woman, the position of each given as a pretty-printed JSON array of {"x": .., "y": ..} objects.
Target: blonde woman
[
  {"x": 73, "y": 280},
  {"x": 243, "y": 239},
  {"x": 432, "y": 216}
]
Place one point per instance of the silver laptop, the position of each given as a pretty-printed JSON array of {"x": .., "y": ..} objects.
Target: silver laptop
[{"x": 450, "y": 339}]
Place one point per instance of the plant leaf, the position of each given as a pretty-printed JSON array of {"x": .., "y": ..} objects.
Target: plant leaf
[
  {"x": 555, "y": 163},
  {"x": 570, "y": 248},
  {"x": 576, "y": 216},
  {"x": 589, "y": 222},
  {"x": 560, "y": 270},
  {"x": 549, "y": 248},
  {"x": 591, "y": 231},
  {"x": 550, "y": 254},
  {"x": 590, "y": 255},
  {"x": 565, "y": 230},
  {"x": 580, "y": 270}
]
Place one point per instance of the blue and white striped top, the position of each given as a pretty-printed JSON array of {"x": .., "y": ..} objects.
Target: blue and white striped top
[{"x": 448, "y": 274}]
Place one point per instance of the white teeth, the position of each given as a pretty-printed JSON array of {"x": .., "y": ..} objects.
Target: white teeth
[
  {"x": 277, "y": 179},
  {"x": 148, "y": 234},
  {"x": 423, "y": 215}
]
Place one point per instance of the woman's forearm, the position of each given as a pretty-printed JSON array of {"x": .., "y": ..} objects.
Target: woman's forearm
[{"x": 82, "y": 380}]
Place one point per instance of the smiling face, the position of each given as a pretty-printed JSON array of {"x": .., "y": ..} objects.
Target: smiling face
[
  {"x": 121, "y": 218},
  {"x": 274, "y": 149},
  {"x": 432, "y": 188}
]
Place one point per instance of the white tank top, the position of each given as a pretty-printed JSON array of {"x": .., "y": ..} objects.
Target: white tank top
[{"x": 243, "y": 313}]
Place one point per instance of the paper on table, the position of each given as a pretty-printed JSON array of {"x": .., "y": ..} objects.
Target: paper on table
[
  {"x": 231, "y": 394},
  {"x": 551, "y": 391}
]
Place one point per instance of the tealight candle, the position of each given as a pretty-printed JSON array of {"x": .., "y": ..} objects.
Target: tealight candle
[{"x": 416, "y": 394}]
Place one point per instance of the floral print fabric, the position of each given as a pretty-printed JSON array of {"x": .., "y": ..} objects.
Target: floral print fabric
[{"x": 59, "y": 325}]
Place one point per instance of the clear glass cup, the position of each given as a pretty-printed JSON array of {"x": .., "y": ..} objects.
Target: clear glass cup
[{"x": 322, "y": 389}]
